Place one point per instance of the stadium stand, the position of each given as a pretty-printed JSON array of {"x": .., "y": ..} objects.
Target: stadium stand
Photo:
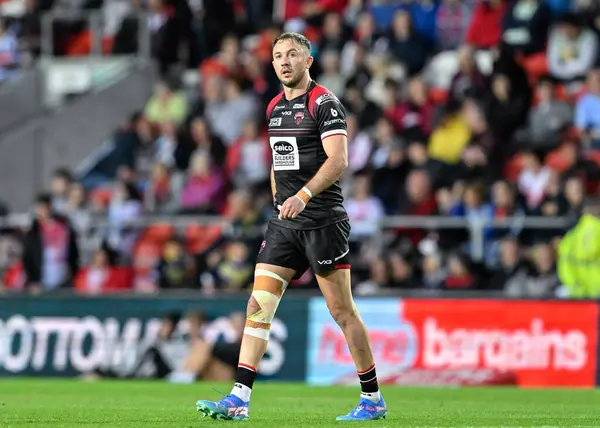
[{"x": 472, "y": 112}]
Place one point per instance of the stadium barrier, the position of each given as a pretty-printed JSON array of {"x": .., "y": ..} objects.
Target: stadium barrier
[{"x": 416, "y": 341}]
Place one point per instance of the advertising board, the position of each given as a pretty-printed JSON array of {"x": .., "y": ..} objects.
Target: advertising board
[
  {"x": 70, "y": 336},
  {"x": 462, "y": 342}
]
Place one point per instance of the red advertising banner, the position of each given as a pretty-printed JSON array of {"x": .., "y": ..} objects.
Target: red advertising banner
[
  {"x": 542, "y": 343},
  {"x": 462, "y": 342}
]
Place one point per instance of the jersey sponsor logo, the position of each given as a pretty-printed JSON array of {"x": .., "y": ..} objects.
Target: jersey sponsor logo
[
  {"x": 299, "y": 116},
  {"x": 298, "y": 106},
  {"x": 286, "y": 156},
  {"x": 334, "y": 112},
  {"x": 325, "y": 98},
  {"x": 286, "y": 113},
  {"x": 276, "y": 121},
  {"x": 333, "y": 121},
  {"x": 278, "y": 107}
]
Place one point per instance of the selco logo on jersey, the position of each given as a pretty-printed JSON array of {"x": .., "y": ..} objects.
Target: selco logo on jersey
[
  {"x": 286, "y": 156},
  {"x": 283, "y": 148}
]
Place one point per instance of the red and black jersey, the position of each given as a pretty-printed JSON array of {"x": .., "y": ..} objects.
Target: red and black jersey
[{"x": 297, "y": 128}]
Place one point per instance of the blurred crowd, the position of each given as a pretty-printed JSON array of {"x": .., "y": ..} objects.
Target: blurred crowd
[{"x": 474, "y": 110}]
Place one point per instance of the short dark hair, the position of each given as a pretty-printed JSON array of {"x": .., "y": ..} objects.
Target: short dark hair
[
  {"x": 44, "y": 199},
  {"x": 296, "y": 38}
]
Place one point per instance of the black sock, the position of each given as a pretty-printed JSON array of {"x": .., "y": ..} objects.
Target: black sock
[
  {"x": 245, "y": 375},
  {"x": 368, "y": 380}
]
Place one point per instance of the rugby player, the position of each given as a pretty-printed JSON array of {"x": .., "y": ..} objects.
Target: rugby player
[{"x": 309, "y": 228}]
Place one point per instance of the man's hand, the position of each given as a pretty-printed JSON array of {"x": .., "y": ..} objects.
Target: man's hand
[{"x": 291, "y": 208}]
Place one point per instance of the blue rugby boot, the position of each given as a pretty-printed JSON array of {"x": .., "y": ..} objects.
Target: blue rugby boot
[
  {"x": 366, "y": 411},
  {"x": 230, "y": 408}
]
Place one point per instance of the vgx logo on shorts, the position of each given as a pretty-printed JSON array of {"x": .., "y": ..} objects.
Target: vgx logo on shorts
[{"x": 325, "y": 262}]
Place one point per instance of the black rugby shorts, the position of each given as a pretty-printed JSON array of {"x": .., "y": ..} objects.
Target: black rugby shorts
[{"x": 322, "y": 250}]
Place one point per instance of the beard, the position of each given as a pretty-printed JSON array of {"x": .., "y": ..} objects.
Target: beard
[{"x": 293, "y": 81}]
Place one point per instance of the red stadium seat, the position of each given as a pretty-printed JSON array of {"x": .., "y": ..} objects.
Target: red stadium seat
[
  {"x": 200, "y": 238},
  {"x": 513, "y": 167},
  {"x": 159, "y": 232}
]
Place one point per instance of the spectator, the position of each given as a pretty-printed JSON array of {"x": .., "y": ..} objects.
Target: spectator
[
  {"x": 166, "y": 144},
  {"x": 249, "y": 158},
  {"x": 367, "y": 112},
  {"x": 459, "y": 274},
  {"x": 485, "y": 29},
  {"x": 360, "y": 145},
  {"x": 483, "y": 153},
  {"x": 77, "y": 210},
  {"x": 387, "y": 177},
  {"x": 204, "y": 186},
  {"x": 587, "y": 111},
  {"x": 50, "y": 251},
  {"x": 331, "y": 78},
  {"x": 234, "y": 272},
  {"x": 161, "y": 192},
  {"x": 451, "y": 22},
  {"x": 469, "y": 81},
  {"x": 175, "y": 268},
  {"x": 166, "y": 105},
  {"x": 534, "y": 179},
  {"x": 447, "y": 144},
  {"x": 403, "y": 275},
  {"x": 512, "y": 270},
  {"x": 574, "y": 196},
  {"x": 125, "y": 208},
  {"x": 9, "y": 60},
  {"x": 542, "y": 280},
  {"x": 413, "y": 119},
  {"x": 224, "y": 101},
  {"x": 103, "y": 276},
  {"x": 526, "y": 25},
  {"x": 506, "y": 108},
  {"x": 364, "y": 210},
  {"x": 572, "y": 50},
  {"x": 199, "y": 138},
  {"x": 406, "y": 45},
  {"x": 60, "y": 184},
  {"x": 385, "y": 139},
  {"x": 549, "y": 118},
  {"x": 245, "y": 222},
  {"x": 334, "y": 33}
]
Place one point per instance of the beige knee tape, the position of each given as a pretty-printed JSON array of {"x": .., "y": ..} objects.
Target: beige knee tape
[{"x": 268, "y": 290}]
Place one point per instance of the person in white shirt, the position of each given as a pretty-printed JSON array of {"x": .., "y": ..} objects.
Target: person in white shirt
[{"x": 364, "y": 209}]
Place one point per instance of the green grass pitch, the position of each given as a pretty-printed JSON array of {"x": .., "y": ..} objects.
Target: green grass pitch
[{"x": 72, "y": 403}]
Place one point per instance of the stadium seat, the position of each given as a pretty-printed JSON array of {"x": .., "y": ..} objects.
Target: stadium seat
[
  {"x": 557, "y": 161},
  {"x": 200, "y": 238},
  {"x": 513, "y": 167},
  {"x": 159, "y": 232},
  {"x": 146, "y": 254},
  {"x": 535, "y": 66},
  {"x": 438, "y": 95}
]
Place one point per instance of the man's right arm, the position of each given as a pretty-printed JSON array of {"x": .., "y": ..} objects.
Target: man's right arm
[{"x": 273, "y": 189}]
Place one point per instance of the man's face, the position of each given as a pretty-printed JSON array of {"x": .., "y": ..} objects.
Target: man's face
[
  {"x": 290, "y": 61},
  {"x": 42, "y": 211}
]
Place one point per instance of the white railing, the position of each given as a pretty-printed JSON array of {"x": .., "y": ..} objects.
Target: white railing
[{"x": 476, "y": 229}]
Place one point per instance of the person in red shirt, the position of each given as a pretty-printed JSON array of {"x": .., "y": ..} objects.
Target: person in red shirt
[{"x": 485, "y": 30}]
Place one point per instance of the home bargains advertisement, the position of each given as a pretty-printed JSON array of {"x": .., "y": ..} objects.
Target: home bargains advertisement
[{"x": 462, "y": 342}]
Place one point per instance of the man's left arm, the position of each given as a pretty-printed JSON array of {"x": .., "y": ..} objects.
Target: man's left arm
[
  {"x": 331, "y": 121},
  {"x": 336, "y": 147}
]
